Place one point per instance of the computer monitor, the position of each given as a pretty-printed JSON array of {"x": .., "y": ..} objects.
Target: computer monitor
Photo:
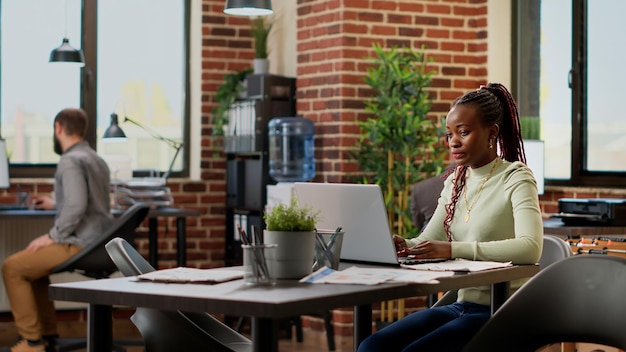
[{"x": 5, "y": 183}]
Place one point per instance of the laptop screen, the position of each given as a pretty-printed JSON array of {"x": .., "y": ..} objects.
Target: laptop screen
[{"x": 360, "y": 211}]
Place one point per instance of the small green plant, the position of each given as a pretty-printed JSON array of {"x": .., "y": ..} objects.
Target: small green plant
[
  {"x": 292, "y": 217},
  {"x": 260, "y": 31},
  {"x": 531, "y": 127},
  {"x": 226, "y": 95}
]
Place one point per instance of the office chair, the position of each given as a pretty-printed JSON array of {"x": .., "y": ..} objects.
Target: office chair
[
  {"x": 554, "y": 250},
  {"x": 577, "y": 299},
  {"x": 174, "y": 330},
  {"x": 94, "y": 262}
]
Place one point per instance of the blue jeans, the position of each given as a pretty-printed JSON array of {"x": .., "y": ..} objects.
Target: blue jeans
[{"x": 440, "y": 329}]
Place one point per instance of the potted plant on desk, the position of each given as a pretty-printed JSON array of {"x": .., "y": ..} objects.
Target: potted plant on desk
[{"x": 292, "y": 228}]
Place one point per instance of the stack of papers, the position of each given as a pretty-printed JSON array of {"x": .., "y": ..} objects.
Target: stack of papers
[
  {"x": 183, "y": 275},
  {"x": 426, "y": 273},
  {"x": 372, "y": 276},
  {"x": 460, "y": 265}
]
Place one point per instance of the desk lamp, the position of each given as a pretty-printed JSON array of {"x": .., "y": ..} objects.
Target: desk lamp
[{"x": 114, "y": 131}]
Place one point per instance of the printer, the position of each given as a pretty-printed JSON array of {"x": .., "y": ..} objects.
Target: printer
[{"x": 592, "y": 211}]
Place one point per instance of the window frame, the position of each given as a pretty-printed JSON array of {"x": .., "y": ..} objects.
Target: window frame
[
  {"x": 88, "y": 98},
  {"x": 580, "y": 176}
]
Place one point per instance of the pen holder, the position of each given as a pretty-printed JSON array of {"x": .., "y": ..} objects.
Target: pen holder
[
  {"x": 327, "y": 249},
  {"x": 255, "y": 258}
]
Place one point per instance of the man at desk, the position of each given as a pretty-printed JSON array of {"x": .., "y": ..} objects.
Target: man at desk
[{"x": 82, "y": 203}]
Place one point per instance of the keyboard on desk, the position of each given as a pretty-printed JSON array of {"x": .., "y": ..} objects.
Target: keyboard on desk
[
  {"x": 12, "y": 207},
  {"x": 411, "y": 260}
]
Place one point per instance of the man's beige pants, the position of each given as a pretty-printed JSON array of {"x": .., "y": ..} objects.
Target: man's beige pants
[{"x": 26, "y": 280}]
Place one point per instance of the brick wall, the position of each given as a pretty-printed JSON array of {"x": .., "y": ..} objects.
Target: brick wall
[{"x": 336, "y": 37}]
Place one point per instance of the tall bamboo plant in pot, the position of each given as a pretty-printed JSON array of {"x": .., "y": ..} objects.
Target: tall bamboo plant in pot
[
  {"x": 260, "y": 28},
  {"x": 399, "y": 145}
]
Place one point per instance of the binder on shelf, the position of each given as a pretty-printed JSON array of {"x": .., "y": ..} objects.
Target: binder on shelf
[
  {"x": 235, "y": 173},
  {"x": 236, "y": 221},
  {"x": 240, "y": 132},
  {"x": 254, "y": 195}
]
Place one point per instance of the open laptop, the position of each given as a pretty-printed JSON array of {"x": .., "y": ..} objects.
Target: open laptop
[{"x": 360, "y": 211}]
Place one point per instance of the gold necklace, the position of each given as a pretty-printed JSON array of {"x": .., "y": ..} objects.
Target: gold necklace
[{"x": 469, "y": 207}]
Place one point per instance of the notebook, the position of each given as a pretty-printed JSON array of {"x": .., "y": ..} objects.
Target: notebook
[{"x": 360, "y": 211}]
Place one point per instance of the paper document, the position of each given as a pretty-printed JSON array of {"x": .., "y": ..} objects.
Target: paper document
[
  {"x": 460, "y": 265},
  {"x": 183, "y": 274},
  {"x": 422, "y": 276},
  {"x": 352, "y": 275}
]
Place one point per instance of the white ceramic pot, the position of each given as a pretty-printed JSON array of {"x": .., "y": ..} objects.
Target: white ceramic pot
[
  {"x": 294, "y": 256},
  {"x": 261, "y": 66}
]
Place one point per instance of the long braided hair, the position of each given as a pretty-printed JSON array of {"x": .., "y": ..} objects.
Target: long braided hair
[{"x": 496, "y": 106}]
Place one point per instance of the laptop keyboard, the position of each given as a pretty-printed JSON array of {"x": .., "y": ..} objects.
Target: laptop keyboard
[{"x": 411, "y": 260}]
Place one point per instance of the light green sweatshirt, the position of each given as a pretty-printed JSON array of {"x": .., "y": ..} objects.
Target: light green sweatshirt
[{"x": 504, "y": 224}]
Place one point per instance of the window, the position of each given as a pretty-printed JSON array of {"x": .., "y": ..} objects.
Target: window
[
  {"x": 569, "y": 75},
  {"x": 136, "y": 66}
]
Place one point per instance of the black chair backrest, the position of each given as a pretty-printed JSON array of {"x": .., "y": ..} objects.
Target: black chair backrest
[
  {"x": 126, "y": 258},
  {"x": 93, "y": 260},
  {"x": 577, "y": 299}
]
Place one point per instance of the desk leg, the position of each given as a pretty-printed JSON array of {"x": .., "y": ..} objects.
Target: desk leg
[
  {"x": 499, "y": 293},
  {"x": 264, "y": 335},
  {"x": 153, "y": 242},
  {"x": 181, "y": 241},
  {"x": 362, "y": 323},
  {"x": 99, "y": 328}
]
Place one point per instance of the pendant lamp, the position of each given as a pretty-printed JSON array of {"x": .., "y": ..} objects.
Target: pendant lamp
[
  {"x": 66, "y": 52},
  {"x": 248, "y": 7}
]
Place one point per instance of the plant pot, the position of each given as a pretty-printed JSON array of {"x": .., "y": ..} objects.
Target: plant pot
[
  {"x": 535, "y": 160},
  {"x": 294, "y": 256},
  {"x": 261, "y": 66}
]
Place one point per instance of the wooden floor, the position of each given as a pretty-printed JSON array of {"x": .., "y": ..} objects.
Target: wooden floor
[{"x": 74, "y": 325}]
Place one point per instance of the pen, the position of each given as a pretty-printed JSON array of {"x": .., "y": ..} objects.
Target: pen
[
  {"x": 242, "y": 234},
  {"x": 257, "y": 236}
]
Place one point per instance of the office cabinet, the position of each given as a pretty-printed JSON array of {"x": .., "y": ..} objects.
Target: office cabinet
[{"x": 246, "y": 150}]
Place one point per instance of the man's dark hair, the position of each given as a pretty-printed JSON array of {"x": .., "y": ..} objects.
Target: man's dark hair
[{"x": 73, "y": 121}]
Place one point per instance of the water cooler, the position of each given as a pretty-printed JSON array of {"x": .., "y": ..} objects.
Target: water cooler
[{"x": 291, "y": 156}]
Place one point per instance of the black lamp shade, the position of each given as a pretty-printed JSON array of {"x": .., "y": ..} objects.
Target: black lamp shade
[
  {"x": 66, "y": 53},
  {"x": 114, "y": 130},
  {"x": 248, "y": 7}
]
